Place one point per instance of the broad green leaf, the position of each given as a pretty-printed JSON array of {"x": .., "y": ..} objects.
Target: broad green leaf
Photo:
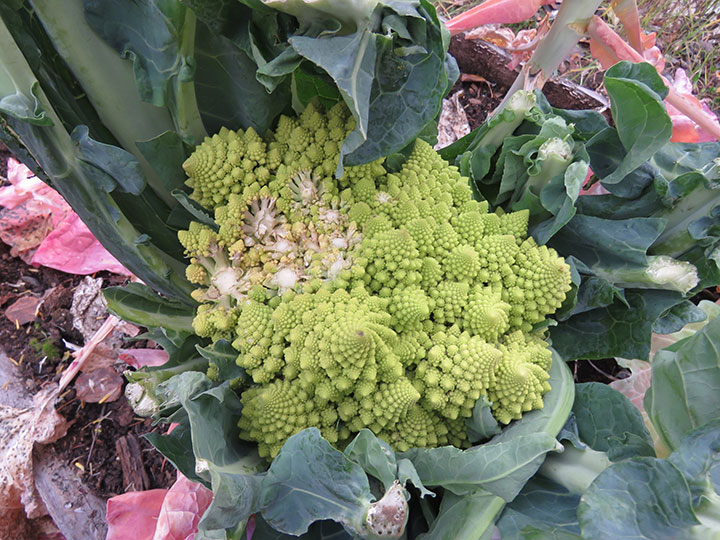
[
  {"x": 692, "y": 218},
  {"x": 223, "y": 356},
  {"x": 676, "y": 159},
  {"x": 157, "y": 36},
  {"x": 374, "y": 455},
  {"x": 698, "y": 459},
  {"x": 500, "y": 468},
  {"x": 570, "y": 433},
  {"x": 350, "y": 62},
  {"x": 121, "y": 168},
  {"x": 406, "y": 473},
  {"x": 86, "y": 81},
  {"x": 166, "y": 154},
  {"x": 543, "y": 506},
  {"x": 197, "y": 211},
  {"x": 141, "y": 305},
  {"x": 309, "y": 480},
  {"x": 685, "y": 390},
  {"x": 227, "y": 94},
  {"x": 308, "y": 86},
  {"x": 559, "y": 197},
  {"x": 230, "y": 464},
  {"x": 639, "y": 113},
  {"x": 586, "y": 123},
  {"x": 467, "y": 517},
  {"x": 608, "y": 422},
  {"x": 677, "y": 317},
  {"x": 620, "y": 329},
  {"x": 408, "y": 85},
  {"x": 610, "y": 249},
  {"x": 174, "y": 384},
  {"x": 613, "y": 207},
  {"x": 607, "y": 153},
  {"x": 595, "y": 292},
  {"x": 320, "y": 530},
  {"x": 643, "y": 498},
  {"x": 482, "y": 426},
  {"x": 174, "y": 446}
]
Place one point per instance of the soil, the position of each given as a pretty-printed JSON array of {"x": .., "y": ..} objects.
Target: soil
[{"x": 39, "y": 348}]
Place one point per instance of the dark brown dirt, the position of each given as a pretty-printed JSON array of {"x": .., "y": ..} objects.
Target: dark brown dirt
[
  {"x": 89, "y": 445},
  {"x": 480, "y": 60}
]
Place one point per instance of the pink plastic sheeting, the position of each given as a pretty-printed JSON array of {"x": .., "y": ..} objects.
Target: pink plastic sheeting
[
  {"x": 139, "y": 358},
  {"x": 134, "y": 514},
  {"x": 158, "y": 514},
  {"x": 69, "y": 247}
]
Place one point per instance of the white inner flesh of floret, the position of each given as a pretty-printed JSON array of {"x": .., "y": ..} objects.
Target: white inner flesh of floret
[
  {"x": 305, "y": 186},
  {"x": 225, "y": 281},
  {"x": 383, "y": 197},
  {"x": 260, "y": 221},
  {"x": 285, "y": 279}
]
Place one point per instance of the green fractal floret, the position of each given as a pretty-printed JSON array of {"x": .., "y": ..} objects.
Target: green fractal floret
[{"x": 388, "y": 301}]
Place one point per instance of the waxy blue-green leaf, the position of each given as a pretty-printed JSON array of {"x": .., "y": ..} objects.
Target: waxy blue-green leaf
[
  {"x": 195, "y": 209},
  {"x": 685, "y": 390},
  {"x": 500, "y": 468},
  {"x": 541, "y": 507},
  {"x": 639, "y": 499},
  {"x": 309, "y": 480},
  {"x": 677, "y": 317},
  {"x": 406, "y": 473},
  {"x": 374, "y": 455},
  {"x": 223, "y": 356},
  {"x": 228, "y": 464},
  {"x": 166, "y": 154},
  {"x": 227, "y": 95},
  {"x": 158, "y": 37},
  {"x": 174, "y": 447},
  {"x": 86, "y": 187},
  {"x": 409, "y": 83},
  {"x": 636, "y": 93},
  {"x": 608, "y": 422},
  {"x": 621, "y": 329},
  {"x": 698, "y": 459},
  {"x": 482, "y": 426},
  {"x": 468, "y": 517},
  {"x": 320, "y": 530}
]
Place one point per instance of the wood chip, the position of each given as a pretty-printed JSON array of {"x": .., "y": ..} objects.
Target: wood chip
[{"x": 135, "y": 477}]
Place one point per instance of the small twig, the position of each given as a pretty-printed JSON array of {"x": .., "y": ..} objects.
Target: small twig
[
  {"x": 94, "y": 437},
  {"x": 612, "y": 378}
]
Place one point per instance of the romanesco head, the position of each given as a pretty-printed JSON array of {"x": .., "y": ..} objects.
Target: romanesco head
[{"x": 382, "y": 300}]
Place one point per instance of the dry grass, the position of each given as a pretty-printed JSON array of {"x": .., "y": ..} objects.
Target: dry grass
[{"x": 689, "y": 36}]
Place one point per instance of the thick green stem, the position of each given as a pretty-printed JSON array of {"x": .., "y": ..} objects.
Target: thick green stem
[
  {"x": 107, "y": 80},
  {"x": 708, "y": 513},
  {"x": 569, "y": 26},
  {"x": 661, "y": 272},
  {"x": 675, "y": 238},
  {"x": 189, "y": 123},
  {"x": 574, "y": 469}
]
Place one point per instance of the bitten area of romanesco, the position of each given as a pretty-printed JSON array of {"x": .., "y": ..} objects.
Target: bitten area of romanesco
[{"x": 388, "y": 301}]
